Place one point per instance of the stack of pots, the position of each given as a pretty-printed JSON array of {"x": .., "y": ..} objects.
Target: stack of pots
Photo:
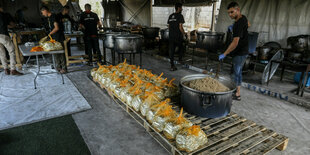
[{"x": 299, "y": 48}]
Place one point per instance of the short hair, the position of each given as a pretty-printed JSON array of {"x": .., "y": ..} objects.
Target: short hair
[
  {"x": 66, "y": 7},
  {"x": 232, "y": 5},
  {"x": 87, "y": 6},
  {"x": 178, "y": 5},
  {"x": 44, "y": 8}
]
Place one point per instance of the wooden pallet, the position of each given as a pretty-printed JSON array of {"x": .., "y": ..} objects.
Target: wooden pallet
[{"x": 232, "y": 134}]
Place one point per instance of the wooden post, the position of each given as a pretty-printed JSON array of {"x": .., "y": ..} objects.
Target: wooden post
[
  {"x": 17, "y": 53},
  {"x": 213, "y": 16},
  {"x": 66, "y": 50}
]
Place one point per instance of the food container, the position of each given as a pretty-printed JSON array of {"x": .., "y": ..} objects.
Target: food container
[{"x": 205, "y": 104}]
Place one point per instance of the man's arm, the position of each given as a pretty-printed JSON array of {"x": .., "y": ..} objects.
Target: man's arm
[
  {"x": 232, "y": 45},
  {"x": 181, "y": 28},
  {"x": 56, "y": 28}
]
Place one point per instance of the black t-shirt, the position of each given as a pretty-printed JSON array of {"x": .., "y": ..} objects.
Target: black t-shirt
[
  {"x": 240, "y": 29},
  {"x": 90, "y": 21},
  {"x": 49, "y": 26},
  {"x": 4, "y": 24},
  {"x": 174, "y": 21}
]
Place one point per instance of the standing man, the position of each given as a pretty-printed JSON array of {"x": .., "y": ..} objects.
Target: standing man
[
  {"x": 64, "y": 17},
  {"x": 20, "y": 17},
  {"x": 238, "y": 48},
  {"x": 89, "y": 23},
  {"x": 53, "y": 28},
  {"x": 176, "y": 34},
  {"x": 6, "y": 42}
]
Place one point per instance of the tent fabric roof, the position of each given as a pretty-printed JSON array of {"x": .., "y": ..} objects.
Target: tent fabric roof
[{"x": 189, "y": 3}]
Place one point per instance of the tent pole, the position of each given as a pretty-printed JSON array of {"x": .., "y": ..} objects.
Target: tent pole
[{"x": 213, "y": 16}]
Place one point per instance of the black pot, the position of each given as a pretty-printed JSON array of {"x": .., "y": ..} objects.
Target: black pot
[
  {"x": 203, "y": 104},
  {"x": 273, "y": 45},
  {"x": 298, "y": 43},
  {"x": 150, "y": 32},
  {"x": 263, "y": 52},
  {"x": 295, "y": 56},
  {"x": 164, "y": 34},
  {"x": 211, "y": 41}
]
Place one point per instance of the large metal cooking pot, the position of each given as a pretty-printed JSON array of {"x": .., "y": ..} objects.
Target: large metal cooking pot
[
  {"x": 263, "y": 52},
  {"x": 210, "y": 105},
  {"x": 164, "y": 33},
  {"x": 298, "y": 43},
  {"x": 211, "y": 41},
  {"x": 150, "y": 32},
  {"x": 128, "y": 43},
  {"x": 108, "y": 41},
  {"x": 295, "y": 56}
]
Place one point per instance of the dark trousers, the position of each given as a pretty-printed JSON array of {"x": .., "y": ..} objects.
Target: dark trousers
[
  {"x": 92, "y": 44},
  {"x": 172, "y": 46}
]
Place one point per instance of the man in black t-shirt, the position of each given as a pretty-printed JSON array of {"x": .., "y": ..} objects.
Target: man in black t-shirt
[
  {"x": 63, "y": 17},
  {"x": 238, "y": 48},
  {"x": 89, "y": 23},
  {"x": 52, "y": 26},
  {"x": 176, "y": 34}
]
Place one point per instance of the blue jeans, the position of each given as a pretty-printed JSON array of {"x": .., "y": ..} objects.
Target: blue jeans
[{"x": 238, "y": 62}]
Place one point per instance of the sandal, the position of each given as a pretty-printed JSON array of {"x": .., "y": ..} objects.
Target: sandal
[{"x": 237, "y": 98}]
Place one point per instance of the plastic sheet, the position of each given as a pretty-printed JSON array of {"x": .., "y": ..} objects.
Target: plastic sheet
[
  {"x": 275, "y": 20},
  {"x": 22, "y": 104},
  {"x": 174, "y": 125}
]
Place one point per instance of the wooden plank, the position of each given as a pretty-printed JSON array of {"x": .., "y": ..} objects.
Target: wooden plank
[
  {"x": 224, "y": 135},
  {"x": 77, "y": 61},
  {"x": 78, "y": 56},
  {"x": 233, "y": 141},
  {"x": 269, "y": 145},
  {"x": 230, "y": 132},
  {"x": 220, "y": 127},
  {"x": 245, "y": 146},
  {"x": 207, "y": 124}
]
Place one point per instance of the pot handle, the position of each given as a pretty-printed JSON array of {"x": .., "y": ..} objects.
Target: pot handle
[{"x": 206, "y": 101}]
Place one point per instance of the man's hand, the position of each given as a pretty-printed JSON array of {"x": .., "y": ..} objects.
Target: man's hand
[{"x": 222, "y": 56}]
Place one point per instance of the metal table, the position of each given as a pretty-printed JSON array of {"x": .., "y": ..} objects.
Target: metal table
[{"x": 25, "y": 50}]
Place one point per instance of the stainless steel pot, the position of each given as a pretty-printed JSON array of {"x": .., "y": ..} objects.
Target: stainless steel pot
[
  {"x": 150, "y": 32},
  {"x": 210, "y": 105},
  {"x": 164, "y": 33},
  {"x": 128, "y": 43},
  {"x": 263, "y": 52},
  {"x": 211, "y": 41},
  {"x": 108, "y": 41}
]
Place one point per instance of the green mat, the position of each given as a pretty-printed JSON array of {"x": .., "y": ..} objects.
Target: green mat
[{"x": 55, "y": 136}]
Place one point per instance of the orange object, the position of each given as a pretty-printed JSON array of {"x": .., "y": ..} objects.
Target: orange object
[
  {"x": 36, "y": 49},
  {"x": 194, "y": 130}
]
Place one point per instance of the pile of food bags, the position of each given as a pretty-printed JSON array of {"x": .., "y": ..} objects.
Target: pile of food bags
[
  {"x": 47, "y": 45},
  {"x": 150, "y": 95}
]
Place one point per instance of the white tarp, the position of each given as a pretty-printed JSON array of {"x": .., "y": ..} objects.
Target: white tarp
[
  {"x": 21, "y": 104},
  {"x": 275, "y": 20}
]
